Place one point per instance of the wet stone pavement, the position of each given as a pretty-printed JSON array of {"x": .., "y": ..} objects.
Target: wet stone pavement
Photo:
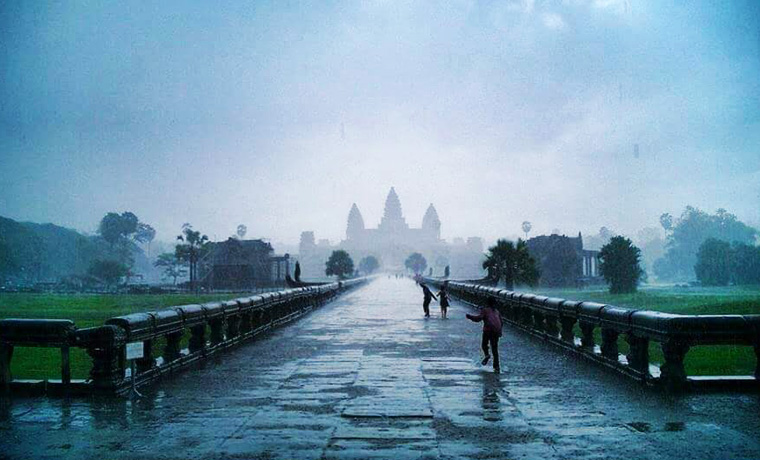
[{"x": 368, "y": 377}]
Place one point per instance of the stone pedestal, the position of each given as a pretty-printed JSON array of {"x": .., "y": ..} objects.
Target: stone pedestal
[
  {"x": 147, "y": 362},
  {"x": 587, "y": 335},
  {"x": 566, "y": 333},
  {"x": 172, "y": 349},
  {"x": 197, "y": 338},
  {"x": 610, "y": 344},
  {"x": 638, "y": 354},
  {"x": 217, "y": 331},
  {"x": 672, "y": 371}
]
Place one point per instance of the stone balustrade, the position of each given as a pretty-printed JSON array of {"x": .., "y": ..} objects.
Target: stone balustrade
[
  {"x": 555, "y": 320},
  {"x": 212, "y": 327}
]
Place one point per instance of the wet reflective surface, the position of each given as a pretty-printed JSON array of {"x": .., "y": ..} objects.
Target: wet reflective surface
[{"x": 368, "y": 377}]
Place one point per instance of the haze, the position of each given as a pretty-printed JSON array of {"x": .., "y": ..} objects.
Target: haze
[{"x": 569, "y": 114}]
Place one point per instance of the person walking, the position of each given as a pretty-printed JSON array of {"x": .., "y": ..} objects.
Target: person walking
[
  {"x": 491, "y": 332},
  {"x": 426, "y": 301},
  {"x": 443, "y": 297}
]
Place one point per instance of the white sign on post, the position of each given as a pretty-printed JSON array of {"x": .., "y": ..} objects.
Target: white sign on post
[{"x": 134, "y": 350}]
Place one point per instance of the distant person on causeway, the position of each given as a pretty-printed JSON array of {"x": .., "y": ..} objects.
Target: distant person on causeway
[
  {"x": 426, "y": 301},
  {"x": 491, "y": 332},
  {"x": 443, "y": 297}
]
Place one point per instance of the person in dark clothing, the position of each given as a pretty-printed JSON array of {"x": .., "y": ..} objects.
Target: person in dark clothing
[
  {"x": 443, "y": 296},
  {"x": 491, "y": 332},
  {"x": 428, "y": 297}
]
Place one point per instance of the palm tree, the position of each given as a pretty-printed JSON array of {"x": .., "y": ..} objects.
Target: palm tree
[
  {"x": 191, "y": 251},
  {"x": 513, "y": 262},
  {"x": 526, "y": 227}
]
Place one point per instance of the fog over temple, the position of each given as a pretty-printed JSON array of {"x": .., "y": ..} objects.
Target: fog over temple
[{"x": 393, "y": 241}]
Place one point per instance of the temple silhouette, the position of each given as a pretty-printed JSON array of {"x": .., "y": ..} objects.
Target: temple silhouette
[{"x": 392, "y": 241}]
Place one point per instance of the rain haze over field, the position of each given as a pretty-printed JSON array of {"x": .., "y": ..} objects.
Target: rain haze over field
[{"x": 571, "y": 114}]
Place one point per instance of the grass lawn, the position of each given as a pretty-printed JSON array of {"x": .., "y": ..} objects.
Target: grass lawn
[
  {"x": 85, "y": 310},
  {"x": 707, "y": 360}
]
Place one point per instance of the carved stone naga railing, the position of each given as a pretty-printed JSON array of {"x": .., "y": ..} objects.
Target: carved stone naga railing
[
  {"x": 554, "y": 319},
  {"x": 228, "y": 324}
]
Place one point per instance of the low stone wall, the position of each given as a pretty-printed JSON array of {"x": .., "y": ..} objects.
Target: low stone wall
[
  {"x": 213, "y": 327},
  {"x": 554, "y": 320}
]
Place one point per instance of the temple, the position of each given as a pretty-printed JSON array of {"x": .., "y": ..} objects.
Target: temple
[{"x": 393, "y": 241}]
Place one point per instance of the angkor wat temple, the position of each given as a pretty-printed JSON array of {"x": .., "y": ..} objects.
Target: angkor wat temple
[{"x": 393, "y": 241}]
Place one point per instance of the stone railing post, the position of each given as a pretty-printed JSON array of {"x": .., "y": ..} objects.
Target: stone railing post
[
  {"x": 147, "y": 362},
  {"x": 246, "y": 323},
  {"x": 672, "y": 371},
  {"x": 217, "y": 331},
  {"x": 587, "y": 335},
  {"x": 105, "y": 345},
  {"x": 638, "y": 354},
  {"x": 538, "y": 321},
  {"x": 551, "y": 326},
  {"x": 566, "y": 333},
  {"x": 172, "y": 348},
  {"x": 197, "y": 338},
  {"x": 6, "y": 356},
  {"x": 233, "y": 326},
  {"x": 610, "y": 344}
]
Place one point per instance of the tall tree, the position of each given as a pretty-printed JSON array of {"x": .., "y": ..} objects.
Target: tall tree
[
  {"x": 511, "y": 262},
  {"x": 339, "y": 264},
  {"x": 297, "y": 271},
  {"x": 172, "y": 267},
  {"x": 447, "y": 271},
  {"x": 108, "y": 271},
  {"x": 416, "y": 262},
  {"x": 714, "y": 261},
  {"x": 688, "y": 233},
  {"x": 145, "y": 234},
  {"x": 190, "y": 251},
  {"x": 619, "y": 265},
  {"x": 369, "y": 264},
  {"x": 745, "y": 264}
]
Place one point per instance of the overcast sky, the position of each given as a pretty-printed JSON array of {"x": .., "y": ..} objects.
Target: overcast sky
[{"x": 281, "y": 115}]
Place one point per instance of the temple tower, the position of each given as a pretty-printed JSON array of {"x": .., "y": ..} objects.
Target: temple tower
[
  {"x": 431, "y": 224},
  {"x": 393, "y": 219},
  {"x": 355, "y": 228}
]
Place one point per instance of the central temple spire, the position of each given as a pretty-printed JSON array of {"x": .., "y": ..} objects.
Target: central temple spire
[{"x": 393, "y": 218}]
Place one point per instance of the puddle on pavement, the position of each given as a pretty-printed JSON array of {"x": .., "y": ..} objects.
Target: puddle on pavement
[{"x": 675, "y": 426}]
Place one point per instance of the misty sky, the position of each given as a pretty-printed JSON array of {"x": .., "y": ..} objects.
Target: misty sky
[{"x": 280, "y": 115}]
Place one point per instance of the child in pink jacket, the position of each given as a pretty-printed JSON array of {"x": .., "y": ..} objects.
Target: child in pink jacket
[{"x": 491, "y": 332}]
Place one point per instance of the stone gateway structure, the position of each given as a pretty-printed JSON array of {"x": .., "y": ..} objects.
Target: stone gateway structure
[{"x": 393, "y": 241}]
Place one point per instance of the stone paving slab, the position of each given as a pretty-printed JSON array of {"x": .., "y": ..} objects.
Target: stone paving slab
[{"x": 368, "y": 377}]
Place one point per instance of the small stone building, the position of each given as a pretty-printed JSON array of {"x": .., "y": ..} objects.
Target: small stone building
[
  {"x": 242, "y": 265},
  {"x": 563, "y": 262}
]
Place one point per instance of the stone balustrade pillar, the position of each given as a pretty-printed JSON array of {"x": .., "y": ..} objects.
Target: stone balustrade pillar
[
  {"x": 147, "y": 362},
  {"x": 246, "y": 323},
  {"x": 567, "y": 334},
  {"x": 587, "y": 335},
  {"x": 217, "y": 331},
  {"x": 538, "y": 321},
  {"x": 105, "y": 345},
  {"x": 672, "y": 371},
  {"x": 551, "y": 326},
  {"x": 638, "y": 354},
  {"x": 233, "y": 326},
  {"x": 197, "y": 338},
  {"x": 172, "y": 349},
  {"x": 6, "y": 356},
  {"x": 610, "y": 344}
]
